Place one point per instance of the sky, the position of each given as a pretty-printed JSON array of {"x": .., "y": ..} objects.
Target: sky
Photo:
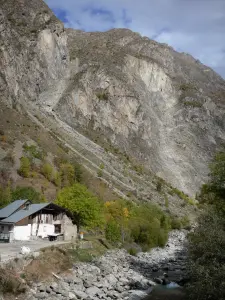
[{"x": 196, "y": 27}]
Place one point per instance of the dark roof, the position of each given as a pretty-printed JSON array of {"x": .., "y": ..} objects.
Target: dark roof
[
  {"x": 11, "y": 208},
  {"x": 21, "y": 214}
]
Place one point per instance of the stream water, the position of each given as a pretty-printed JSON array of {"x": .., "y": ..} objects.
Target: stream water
[{"x": 168, "y": 292}]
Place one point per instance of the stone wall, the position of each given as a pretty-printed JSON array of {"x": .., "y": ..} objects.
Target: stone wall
[{"x": 69, "y": 229}]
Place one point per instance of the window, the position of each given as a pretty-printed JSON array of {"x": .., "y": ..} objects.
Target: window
[
  {"x": 58, "y": 228},
  {"x": 2, "y": 228}
]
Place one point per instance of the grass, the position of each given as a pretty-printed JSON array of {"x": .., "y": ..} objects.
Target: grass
[{"x": 10, "y": 282}]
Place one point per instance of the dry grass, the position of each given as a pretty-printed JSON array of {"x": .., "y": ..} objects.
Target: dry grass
[
  {"x": 10, "y": 282},
  {"x": 51, "y": 260}
]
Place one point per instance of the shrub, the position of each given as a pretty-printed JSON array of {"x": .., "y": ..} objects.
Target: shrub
[
  {"x": 47, "y": 171},
  {"x": 100, "y": 172},
  {"x": 25, "y": 167},
  {"x": 112, "y": 232},
  {"x": 186, "y": 87},
  {"x": 57, "y": 179},
  {"x": 78, "y": 172},
  {"x": 159, "y": 186},
  {"x": 138, "y": 168},
  {"x": 32, "y": 151},
  {"x": 102, "y": 96},
  {"x": 192, "y": 103},
  {"x": 67, "y": 173},
  {"x": 132, "y": 251},
  {"x": 166, "y": 201},
  {"x": 176, "y": 223}
]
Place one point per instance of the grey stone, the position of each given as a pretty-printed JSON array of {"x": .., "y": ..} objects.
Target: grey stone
[
  {"x": 72, "y": 296},
  {"x": 54, "y": 285},
  {"x": 111, "y": 279},
  {"x": 80, "y": 294},
  {"x": 42, "y": 288},
  {"x": 92, "y": 291},
  {"x": 41, "y": 295},
  {"x": 137, "y": 295}
]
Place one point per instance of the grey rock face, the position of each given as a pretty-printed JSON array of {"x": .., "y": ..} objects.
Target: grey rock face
[{"x": 163, "y": 108}]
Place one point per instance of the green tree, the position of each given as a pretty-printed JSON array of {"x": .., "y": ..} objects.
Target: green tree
[
  {"x": 112, "y": 232},
  {"x": 206, "y": 258},
  {"x": 78, "y": 173},
  {"x": 47, "y": 171},
  {"x": 213, "y": 192},
  {"x": 25, "y": 167},
  {"x": 57, "y": 179},
  {"x": 28, "y": 193},
  {"x": 5, "y": 195},
  {"x": 67, "y": 173},
  {"x": 207, "y": 242},
  {"x": 87, "y": 210}
]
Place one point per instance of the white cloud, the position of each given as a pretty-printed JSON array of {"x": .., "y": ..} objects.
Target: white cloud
[{"x": 193, "y": 26}]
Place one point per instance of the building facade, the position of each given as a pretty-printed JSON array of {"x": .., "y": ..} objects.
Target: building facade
[{"x": 22, "y": 220}]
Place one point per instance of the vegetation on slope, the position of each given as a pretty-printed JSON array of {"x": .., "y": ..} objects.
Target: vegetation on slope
[{"x": 207, "y": 242}]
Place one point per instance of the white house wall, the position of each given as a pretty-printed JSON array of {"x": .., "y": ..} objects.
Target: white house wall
[
  {"x": 22, "y": 233},
  {"x": 43, "y": 230}
]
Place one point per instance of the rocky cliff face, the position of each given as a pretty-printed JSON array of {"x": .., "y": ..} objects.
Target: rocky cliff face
[{"x": 120, "y": 90}]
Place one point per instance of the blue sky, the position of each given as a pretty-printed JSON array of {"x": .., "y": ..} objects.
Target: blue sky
[{"x": 193, "y": 26}]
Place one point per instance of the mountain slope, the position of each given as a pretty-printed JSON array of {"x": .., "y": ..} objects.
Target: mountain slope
[{"x": 114, "y": 98}]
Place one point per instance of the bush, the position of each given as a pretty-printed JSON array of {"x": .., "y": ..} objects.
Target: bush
[
  {"x": 25, "y": 167},
  {"x": 78, "y": 173},
  {"x": 57, "y": 179},
  {"x": 132, "y": 251},
  {"x": 102, "y": 96},
  {"x": 47, "y": 171},
  {"x": 112, "y": 232},
  {"x": 32, "y": 151},
  {"x": 67, "y": 173},
  {"x": 159, "y": 186},
  {"x": 192, "y": 103},
  {"x": 176, "y": 223}
]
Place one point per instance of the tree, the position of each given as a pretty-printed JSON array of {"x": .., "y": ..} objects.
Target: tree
[
  {"x": 25, "y": 168},
  {"x": 112, "y": 232},
  {"x": 87, "y": 210},
  {"x": 213, "y": 192},
  {"x": 47, "y": 171},
  {"x": 206, "y": 258},
  {"x": 78, "y": 172},
  {"x": 67, "y": 173},
  {"x": 57, "y": 179},
  {"x": 28, "y": 193},
  {"x": 5, "y": 195},
  {"x": 118, "y": 212},
  {"x": 207, "y": 242}
]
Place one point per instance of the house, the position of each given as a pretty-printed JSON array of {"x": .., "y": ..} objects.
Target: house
[{"x": 22, "y": 221}]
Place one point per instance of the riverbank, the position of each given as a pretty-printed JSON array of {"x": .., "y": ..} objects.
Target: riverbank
[{"x": 117, "y": 275}]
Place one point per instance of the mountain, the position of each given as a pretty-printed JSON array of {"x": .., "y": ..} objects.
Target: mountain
[{"x": 121, "y": 103}]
